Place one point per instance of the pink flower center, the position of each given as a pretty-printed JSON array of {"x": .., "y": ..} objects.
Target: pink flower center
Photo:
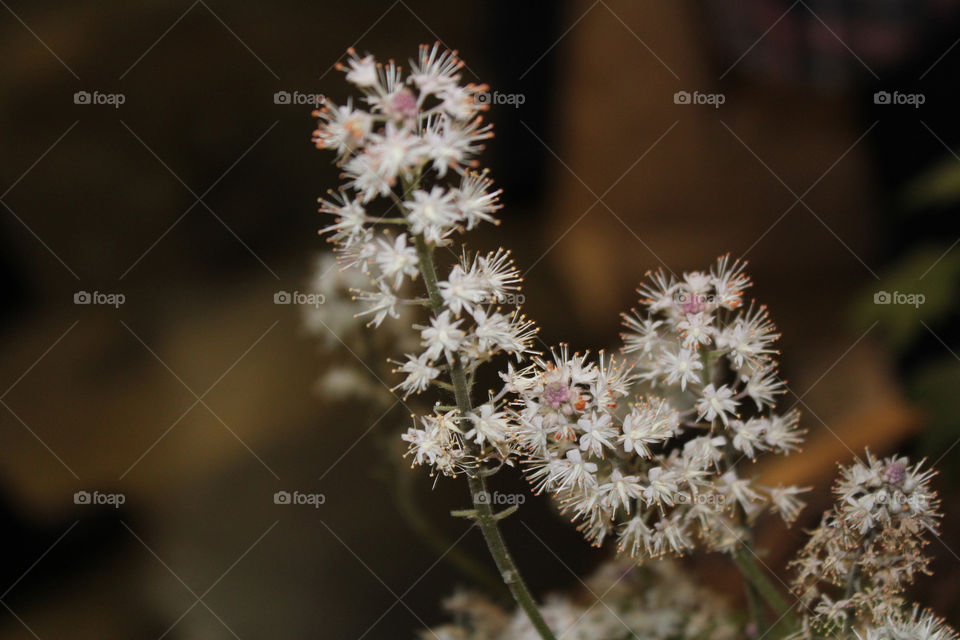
[
  {"x": 403, "y": 104},
  {"x": 693, "y": 303},
  {"x": 555, "y": 394},
  {"x": 894, "y": 473}
]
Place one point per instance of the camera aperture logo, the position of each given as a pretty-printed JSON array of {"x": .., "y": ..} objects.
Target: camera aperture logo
[
  {"x": 98, "y": 98},
  {"x": 98, "y": 297},
  {"x": 298, "y": 297},
  {"x": 296, "y": 97},
  {"x": 912, "y": 299},
  {"x": 298, "y": 498},
  {"x": 98, "y": 498},
  {"x": 512, "y": 99},
  {"x": 711, "y": 99},
  {"x": 897, "y": 98}
]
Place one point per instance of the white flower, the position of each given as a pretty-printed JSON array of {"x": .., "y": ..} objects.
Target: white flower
[
  {"x": 696, "y": 329},
  {"x": 459, "y": 102},
  {"x": 435, "y": 70},
  {"x": 642, "y": 337},
  {"x": 439, "y": 443},
  {"x": 661, "y": 488},
  {"x": 576, "y": 471},
  {"x": 681, "y": 366},
  {"x": 750, "y": 338},
  {"x": 442, "y": 336},
  {"x": 597, "y": 433},
  {"x": 748, "y": 436},
  {"x": 389, "y": 154},
  {"x": 476, "y": 202},
  {"x": 763, "y": 386},
  {"x": 920, "y": 625},
  {"x": 397, "y": 260},
  {"x": 462, "y": 290},
  {"x": 782, "y": 433},
  {"x": 420, "y": 372},
  {"x": 494, "y": 331},
  {"x": 495, "y": 273},
  {"x": 785, "y": 501},
  {"x": 740, "y": 489},
  {"x": 716, "y": 403},
  {"x": 432, "y": 214},
  {"x": 363, "y": 71},
  {"x": 620, "y": 491},
  {"x": 382, "y": 303},
  {"x": 729, "y": 282},
  {"x": 351, "y": 218},
  {"x": 343, "y": 128},
  {"x": 649, "y": 423},
  {"x": 489, "y": 425},
  {"x": 450, "y": 144}
]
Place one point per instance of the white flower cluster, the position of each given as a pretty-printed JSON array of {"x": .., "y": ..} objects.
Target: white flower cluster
[
  {"x": 870, "y": 545},
  {"x": 419, "y": 130},
  {"x": 658, "y": 470},
  {"x": 648, "y": 448},
  {"x": 918, "y": 626},
  {"x": 656, "y": 603}
]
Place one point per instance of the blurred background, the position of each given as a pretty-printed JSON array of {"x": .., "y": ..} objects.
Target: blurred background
[{"x": 159, "y": 188}]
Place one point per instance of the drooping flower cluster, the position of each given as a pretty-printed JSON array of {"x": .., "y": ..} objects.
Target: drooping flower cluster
[
  {"x": 656, "y": 603},
  {"x": 647, "y": 449},
  {"x": 857, "y": 563},
  {"x": 412, "y": 146}
]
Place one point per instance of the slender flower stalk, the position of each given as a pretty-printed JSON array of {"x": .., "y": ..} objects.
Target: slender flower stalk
[
  {"x": 426, "y": 129},
  {"x": 485, "y": 517}
]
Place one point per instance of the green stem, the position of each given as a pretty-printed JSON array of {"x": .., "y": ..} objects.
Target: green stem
[
  {"x": 746, "y": 562},
  {"x": 755, "y": 608},
  {"x": 485, "y": 518},
  {"x": 420, "y": 523}
]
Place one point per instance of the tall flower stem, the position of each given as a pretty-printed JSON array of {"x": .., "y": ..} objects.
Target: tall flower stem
[
  {"x": 485, "y": 518},
  {"x": 757, "y": 578}
]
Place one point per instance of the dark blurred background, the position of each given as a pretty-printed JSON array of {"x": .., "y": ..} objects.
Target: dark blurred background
[{"x": 145, "y": 155}]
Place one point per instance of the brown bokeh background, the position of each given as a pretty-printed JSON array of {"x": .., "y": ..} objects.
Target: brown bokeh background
[{"x": 195, "y": 199}]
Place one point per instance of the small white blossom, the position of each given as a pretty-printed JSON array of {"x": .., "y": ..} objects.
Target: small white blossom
[
  {"x": 716, "y": 403},
  {"x": 442, "y": 336}
]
